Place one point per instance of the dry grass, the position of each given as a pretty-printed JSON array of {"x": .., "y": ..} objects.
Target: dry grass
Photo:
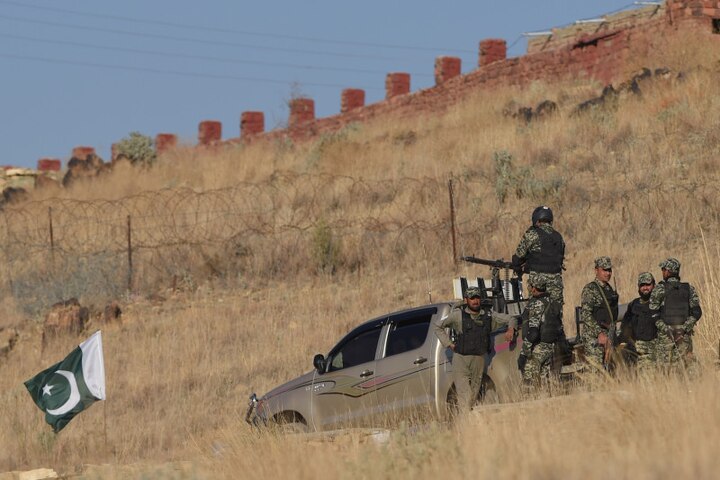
[{"x": 638, "y": 184}]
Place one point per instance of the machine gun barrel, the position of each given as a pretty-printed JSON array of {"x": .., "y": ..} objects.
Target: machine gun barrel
[{"x": 491, "y": 263}]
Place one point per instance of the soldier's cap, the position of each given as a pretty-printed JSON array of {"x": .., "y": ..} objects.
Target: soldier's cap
[
  {"x": 538, "y": 282},
  {"x": 603, "y": 262},
  {"x": 671, "y": 264},
  {"x": 646, "y": 278},
  {"x": 473, "y": 292}
]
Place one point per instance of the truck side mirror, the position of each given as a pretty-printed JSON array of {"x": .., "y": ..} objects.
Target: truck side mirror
[{"x": 320, "y": 363}]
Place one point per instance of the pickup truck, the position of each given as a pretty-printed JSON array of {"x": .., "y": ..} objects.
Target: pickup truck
[{"x": 387, "y": 369}]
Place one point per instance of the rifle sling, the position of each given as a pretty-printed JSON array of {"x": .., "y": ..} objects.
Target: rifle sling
[{"x": 607, "y": 305}]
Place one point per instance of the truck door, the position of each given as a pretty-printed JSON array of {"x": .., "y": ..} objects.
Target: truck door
[
  {"x": 345, "y": 394},
  {"x": 405, "y": 369}
]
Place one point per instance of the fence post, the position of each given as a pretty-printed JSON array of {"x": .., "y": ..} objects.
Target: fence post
[
  {"x": 52, "y": 241},
  {"x": 129, "y": 252},
  {"x": 452, "y": 220}
]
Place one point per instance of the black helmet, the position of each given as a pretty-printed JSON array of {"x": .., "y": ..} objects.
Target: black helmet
[{"x": 542, "y": 213}]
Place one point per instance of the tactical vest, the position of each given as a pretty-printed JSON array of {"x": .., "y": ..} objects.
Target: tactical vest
[
  {"x": 676, "y": 309},
  {"x": 551, "y": 329},
  {"x": 643, "y": 325},
  {"x": 600, "y": 312},
  {"x": 474, "y": 339},
  {"x": 549, "y": 258}
]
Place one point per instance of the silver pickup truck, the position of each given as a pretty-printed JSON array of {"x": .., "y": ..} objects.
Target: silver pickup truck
[{"x": 388, "y": 369}]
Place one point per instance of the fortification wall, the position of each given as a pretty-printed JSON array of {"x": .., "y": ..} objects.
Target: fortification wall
[{"x": 597, "y": 49}]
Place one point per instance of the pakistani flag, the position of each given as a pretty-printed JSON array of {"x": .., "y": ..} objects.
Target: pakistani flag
[{"x": 69, "y": 387}]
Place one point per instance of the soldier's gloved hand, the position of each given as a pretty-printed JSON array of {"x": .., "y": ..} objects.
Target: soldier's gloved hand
[{"x": 522, "y": 360}]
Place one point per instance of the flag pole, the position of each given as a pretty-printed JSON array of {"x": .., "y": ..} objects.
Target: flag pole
[{"x": 105, "y": 422}]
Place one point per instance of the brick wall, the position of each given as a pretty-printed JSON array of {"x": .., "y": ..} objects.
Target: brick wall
[{"x": 600, "y": 50}]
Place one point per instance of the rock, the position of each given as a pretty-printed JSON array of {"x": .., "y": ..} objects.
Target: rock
[
  {"x": 14, "y": 195},
  {"x": 37, "y": 474},
  {"x": 67, "y": 316},
  {"x": 90, "y": 167},
  {"x": 8, "y": 339},
  {"x": 112, "y": 312}
]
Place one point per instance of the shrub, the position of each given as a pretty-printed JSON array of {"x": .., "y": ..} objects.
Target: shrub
[{"x": 137, "y": 148}]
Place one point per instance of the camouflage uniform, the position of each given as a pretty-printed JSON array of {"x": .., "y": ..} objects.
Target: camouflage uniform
[
  {"x": 530, "y": 242},
  {"x": 593, "y": 300},
  {"x": 674, "y": 343},
  {"x": 538, "y": 356},
  {"x": 644, "y": 349},
  {"x": 468, "y": 369}
]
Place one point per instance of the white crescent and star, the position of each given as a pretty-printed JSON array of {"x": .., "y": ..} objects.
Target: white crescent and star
[{"x": 72, "y": 400}]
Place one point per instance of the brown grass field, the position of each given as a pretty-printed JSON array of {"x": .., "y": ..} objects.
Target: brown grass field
[{"x": 638, "y": 183}]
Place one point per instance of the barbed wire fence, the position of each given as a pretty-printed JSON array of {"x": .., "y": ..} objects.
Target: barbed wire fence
[{"x": 56, "y": 249}]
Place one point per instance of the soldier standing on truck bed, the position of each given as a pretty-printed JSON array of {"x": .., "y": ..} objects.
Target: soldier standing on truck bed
[
  {"x": 542, "y": 251},
  {"x": 544, "y": 329},
  {"x": 473, "y": 321},
  {"x": 676, "y": 308},
  {"x": 599, "y": 313},
  {"x": 638, "y": 326}
]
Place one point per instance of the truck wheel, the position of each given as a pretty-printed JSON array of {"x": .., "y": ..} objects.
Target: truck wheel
[{"x": 290, "y": 423}]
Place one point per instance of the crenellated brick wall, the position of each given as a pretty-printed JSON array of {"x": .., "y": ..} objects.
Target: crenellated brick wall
[{"x": 600, "y": 49}]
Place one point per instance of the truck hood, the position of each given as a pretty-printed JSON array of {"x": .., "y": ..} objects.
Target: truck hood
[{"x": 299, "y": 382}]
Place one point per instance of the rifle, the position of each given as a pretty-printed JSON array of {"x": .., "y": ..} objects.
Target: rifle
[{"x": 610, "y": 345}]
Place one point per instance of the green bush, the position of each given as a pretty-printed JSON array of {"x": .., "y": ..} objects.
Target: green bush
[
  {"x": 325, "y": 248},
  {"x": 137, "y": 148}
]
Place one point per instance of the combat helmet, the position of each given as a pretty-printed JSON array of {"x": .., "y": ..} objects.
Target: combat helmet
[{"x": 542, "y": 213}]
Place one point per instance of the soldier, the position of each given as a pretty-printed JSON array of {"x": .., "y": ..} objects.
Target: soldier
[
  {"x": 473, "y": 321},
  {"x": 544, "y": 329},
  {"x": 638, "y": 325},
  {"x": 599, "y": 312},
  {"x": 676, "y": 308},
  {"x": 542, "y": 251}
]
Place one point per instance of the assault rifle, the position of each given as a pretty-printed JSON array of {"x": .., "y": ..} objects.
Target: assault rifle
[{"x": 610, "y": 345}]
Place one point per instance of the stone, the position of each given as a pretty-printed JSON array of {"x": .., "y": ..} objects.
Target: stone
[{"x": 66, "y": 317}]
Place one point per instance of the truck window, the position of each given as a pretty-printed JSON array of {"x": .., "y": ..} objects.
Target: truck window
[
  {"x": 357, "y": 350},
  {"x": 407, "y": 334}
]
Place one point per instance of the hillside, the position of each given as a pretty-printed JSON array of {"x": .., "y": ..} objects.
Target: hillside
[{"x": 249, "y": 260}]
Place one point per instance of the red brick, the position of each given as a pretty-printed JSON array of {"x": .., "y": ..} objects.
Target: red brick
[
  {"x": 351, "y": 98},
  {"x": 209, "y": 132},
  {"x": 49, "y": 165},
  {"x": 492, "y": 50},
  {"x": 81, "y": 153},
  {"x": 251, "y": 123},
  {"x": 165, "y": 142},
  {"x": 397, "y": 83},
  {"x": 446, "y": 68},
  {"x": 302, "y": 111}
]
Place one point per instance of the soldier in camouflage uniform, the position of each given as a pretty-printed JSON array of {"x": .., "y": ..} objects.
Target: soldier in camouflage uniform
[
  {"x": 676, "y": 308},
  {"x": 640, "y": 325},
  {"x": 472, "y": 321},
  {"x": 599, "y": 312},
  {"x": 544, "y": 328},
  {"x": 542, "y": 251}
]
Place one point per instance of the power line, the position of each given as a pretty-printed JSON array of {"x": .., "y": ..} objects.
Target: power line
[
  {"x": 173, "y": 72},
  {"x": 199, "y": 57},
  {"x": 86, "y": 28},
  {"x": 233, "y": 31}
]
